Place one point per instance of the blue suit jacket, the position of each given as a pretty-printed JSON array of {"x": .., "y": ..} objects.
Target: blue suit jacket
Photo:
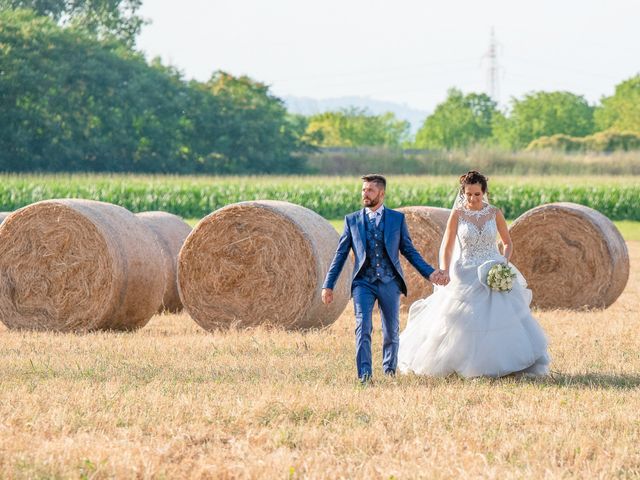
[{"x": 396, "y": 240}]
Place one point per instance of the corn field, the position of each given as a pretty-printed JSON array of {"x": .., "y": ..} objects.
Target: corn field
[{"x": 332, "y": 197}]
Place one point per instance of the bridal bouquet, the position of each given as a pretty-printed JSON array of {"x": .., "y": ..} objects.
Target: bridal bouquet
[{"x": 500, "y": 277}]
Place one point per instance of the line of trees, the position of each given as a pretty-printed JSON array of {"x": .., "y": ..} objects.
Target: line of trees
[
  {"x": 354, "y": 127},
  {"x": 464, "y": 120},
  {"x": 75, "y": 98},
  {"x": 75, "y": 95},
  {"x": 537, "y": 120}
]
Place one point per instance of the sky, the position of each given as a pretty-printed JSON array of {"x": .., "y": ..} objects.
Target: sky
[{"x": 405, "y": 51}]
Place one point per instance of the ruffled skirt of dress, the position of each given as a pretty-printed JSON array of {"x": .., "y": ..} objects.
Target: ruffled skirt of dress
[{"x": 469, "y": 329}]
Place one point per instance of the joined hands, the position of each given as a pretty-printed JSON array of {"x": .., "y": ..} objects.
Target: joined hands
[{"x": 440, "y": 277}]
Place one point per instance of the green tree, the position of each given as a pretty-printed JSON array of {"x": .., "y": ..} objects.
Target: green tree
[
  {"x": 246, "y": 128},
  {"x": 544, "y": 114},
  {"x": 354, "y": 127},
  {"x": 69, "y": 102},
  {"x": 621, "y": 111},
  {"x": 104, "y": 18},
  {"x": 459, "y": 122}
]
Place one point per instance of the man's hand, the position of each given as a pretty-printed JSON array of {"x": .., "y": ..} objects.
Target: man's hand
[{"x": 327, "y": 296}]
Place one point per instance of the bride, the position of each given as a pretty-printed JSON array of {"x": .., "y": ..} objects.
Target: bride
[{"x": 466, "y": 327}]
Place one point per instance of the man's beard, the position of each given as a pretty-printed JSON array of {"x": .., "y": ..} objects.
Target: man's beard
[{"x": 371, "y": 202}]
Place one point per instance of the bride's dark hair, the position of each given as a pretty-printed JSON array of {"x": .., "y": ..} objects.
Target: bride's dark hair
[{"x": 473, "y": 177}]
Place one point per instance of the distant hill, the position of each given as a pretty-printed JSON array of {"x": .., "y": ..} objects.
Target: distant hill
[{"x": 311, "y": 106}]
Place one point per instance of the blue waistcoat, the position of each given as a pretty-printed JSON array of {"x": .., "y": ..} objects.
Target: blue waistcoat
[{"x": 377, "y": 265}]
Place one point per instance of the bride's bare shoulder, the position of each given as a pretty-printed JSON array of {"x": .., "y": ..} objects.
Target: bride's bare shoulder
[{"x": 453, "y": 216}]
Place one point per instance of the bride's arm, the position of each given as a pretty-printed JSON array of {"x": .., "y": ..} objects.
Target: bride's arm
[
  {"x": 503, "y": 230},
  {"x": 449, "y": 241}
]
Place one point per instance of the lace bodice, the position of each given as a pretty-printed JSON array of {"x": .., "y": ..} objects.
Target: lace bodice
[{"x": 477, "y": 232}]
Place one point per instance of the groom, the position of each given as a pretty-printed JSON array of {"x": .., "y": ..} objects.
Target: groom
[{"x": 377, "y": 235}]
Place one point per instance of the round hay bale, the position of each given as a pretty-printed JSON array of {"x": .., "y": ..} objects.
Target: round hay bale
[
  {"x": 426, "y": 227},
  {"x": 4, "y": 215},
  {"x": 260, "y": 263},
  {"x": 572, "y": 256},
  {"x": 171, "y": 232},
  {"x": 78, "y": 265}
]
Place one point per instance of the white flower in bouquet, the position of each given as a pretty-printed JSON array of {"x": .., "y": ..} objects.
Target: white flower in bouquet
[{"x": 500, "y": 277}]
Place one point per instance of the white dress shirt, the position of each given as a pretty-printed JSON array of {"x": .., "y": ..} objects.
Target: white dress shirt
[{"x": 377, "y": 213}]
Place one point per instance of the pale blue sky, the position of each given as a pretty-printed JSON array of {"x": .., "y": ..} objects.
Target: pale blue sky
[{"x": 406, "y": 51}]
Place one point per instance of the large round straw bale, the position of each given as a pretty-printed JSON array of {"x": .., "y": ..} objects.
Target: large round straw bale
[
  {"x": 426, "y": 227},
  {"x": 171, "y": 232},
  {"x": 78, "y": 265},
  {"x": 260, "y": 263},
  {"x": 572, "y": 256}
]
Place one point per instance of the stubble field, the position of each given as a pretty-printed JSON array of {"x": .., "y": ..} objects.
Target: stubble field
[{"x": 173, "y": 401}]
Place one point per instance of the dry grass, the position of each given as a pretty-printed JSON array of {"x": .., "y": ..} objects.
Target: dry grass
[{"x": 174, "y": 401}]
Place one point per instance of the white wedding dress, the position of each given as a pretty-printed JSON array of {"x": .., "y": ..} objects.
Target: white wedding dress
[{"x": 467, "y": 328}]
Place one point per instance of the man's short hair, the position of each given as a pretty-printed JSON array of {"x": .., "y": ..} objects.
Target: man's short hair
[{"x": 377, "y": 179}]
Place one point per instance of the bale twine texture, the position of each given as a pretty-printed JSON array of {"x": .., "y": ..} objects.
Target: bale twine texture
[
  {"x": 572, "y": 256},
  {"x": 260, "y": 263},
  {"x": 426, "y": 227},
  {"x": 78, "y": 265},
  {"x": 171, "y": 232}
]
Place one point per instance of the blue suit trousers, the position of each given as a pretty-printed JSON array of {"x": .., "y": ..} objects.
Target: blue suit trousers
[{"x": 365, "y": 295}]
